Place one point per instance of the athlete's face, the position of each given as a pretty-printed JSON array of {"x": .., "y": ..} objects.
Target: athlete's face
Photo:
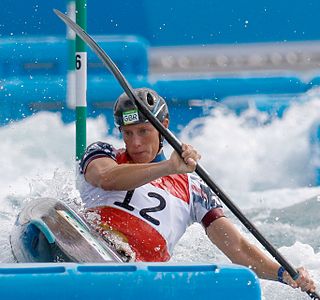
[{"x": 142, "y": 141}]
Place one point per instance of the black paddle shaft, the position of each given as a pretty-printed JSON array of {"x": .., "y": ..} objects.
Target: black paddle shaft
[{"x": 177, "y": 145}]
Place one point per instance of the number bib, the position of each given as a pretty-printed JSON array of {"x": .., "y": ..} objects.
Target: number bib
[{"x": 148, "y": 206}]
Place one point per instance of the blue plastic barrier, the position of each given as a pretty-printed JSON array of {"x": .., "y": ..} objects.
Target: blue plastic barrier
[
  {"x": 129, "y": 281},
  {"x": 34, "y": 74},
  {"x": 49, "y": 56},
  {"x": 193, "y": 98},
  {"x": 314, "y": 82},
  {"x": 218, "y": 88},
  {"x": 21, "y": 98}
]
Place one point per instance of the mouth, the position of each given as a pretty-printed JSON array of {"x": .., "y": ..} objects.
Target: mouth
[
  {"x": 140, "y": 157},
  {"x": 139, "y": 153}
]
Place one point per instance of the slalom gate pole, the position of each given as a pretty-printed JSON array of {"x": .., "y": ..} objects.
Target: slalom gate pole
[{"x": 81, "y": 81}]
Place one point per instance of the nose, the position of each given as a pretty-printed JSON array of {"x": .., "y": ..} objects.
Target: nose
[{"x": 136, "y": 141}]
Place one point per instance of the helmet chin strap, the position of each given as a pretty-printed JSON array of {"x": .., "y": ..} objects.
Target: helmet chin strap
[
  {"x": 160, "y": 142},
  {"x": 160, "y": 155}
]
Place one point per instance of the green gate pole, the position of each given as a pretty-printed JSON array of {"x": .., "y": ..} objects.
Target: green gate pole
[{"x": 81, "y": 81}]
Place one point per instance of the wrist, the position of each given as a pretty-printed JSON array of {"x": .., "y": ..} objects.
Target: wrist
[
  {"x": 281, "y": 272},
  {"x": 168, "y": 167}
]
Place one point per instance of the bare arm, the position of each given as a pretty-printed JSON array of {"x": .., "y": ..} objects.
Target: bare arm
[
  {"x": 230, "y": 241},
  {"x": 108, "y": 175}
]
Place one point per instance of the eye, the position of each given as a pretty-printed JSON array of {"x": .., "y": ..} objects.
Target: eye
[
  {"x": 143, "y": 131},
  {"x": 126, "y": 134}
]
